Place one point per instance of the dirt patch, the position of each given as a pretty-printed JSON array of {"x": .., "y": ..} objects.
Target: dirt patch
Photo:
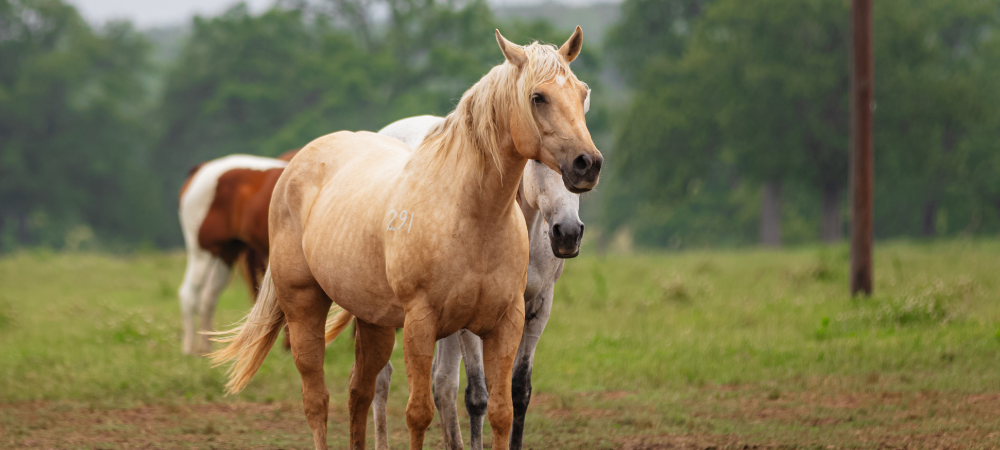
[
  {"x": 744, "y": 417},
  {"x": 681, "y": 442},
  {"x": 217, "y": 425},
  {"x": 857, "y": 419}
]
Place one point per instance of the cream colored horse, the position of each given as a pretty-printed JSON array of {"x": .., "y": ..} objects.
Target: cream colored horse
[{"x": 431, "y": 241}]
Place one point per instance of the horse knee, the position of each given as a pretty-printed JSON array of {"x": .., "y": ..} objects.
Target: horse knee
[
  {"x": 316, "y": 402},
  {"x": 383, "y": 380},
  {"x": 419, "y": 414},
  {"x": 501, "y": 415},
  {"x": 189, "y": 299},
  {"x": 358, "y": 396},
  {"x": 476, "y": 395},
  {"x": 445, "y": 391}
]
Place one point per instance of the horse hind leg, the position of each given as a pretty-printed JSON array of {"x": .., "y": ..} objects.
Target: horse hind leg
[
  {"x": 499, "y": 351},
  {"x": 445, "y": 370},
  {"x": 306, "y": 309},
  {"x": 216, "y": 280},
  {"x": 195, "y": 276},
  {"x": 372, "y": 349},
  {"x": 379, "y": 406}
]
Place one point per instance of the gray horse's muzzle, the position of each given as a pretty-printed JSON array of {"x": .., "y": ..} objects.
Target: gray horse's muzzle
[{"x": 565, "y": 238}]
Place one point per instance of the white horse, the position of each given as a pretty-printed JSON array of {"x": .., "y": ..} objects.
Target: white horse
[{"x": 554, "y": 232}]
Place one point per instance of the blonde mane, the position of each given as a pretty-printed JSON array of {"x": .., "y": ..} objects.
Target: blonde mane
[{"x": 484, "y": 109}]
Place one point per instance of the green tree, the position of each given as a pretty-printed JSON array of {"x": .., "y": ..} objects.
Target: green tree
[
  {"x": 651, "y": 30},
  {"x": 758, "y": 97},
  {"x": 936, "y": 122},
  {"x": 73, "y": 129}
]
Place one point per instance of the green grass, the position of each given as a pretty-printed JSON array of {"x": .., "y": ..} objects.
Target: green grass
[{"x": 714, "y": 347}]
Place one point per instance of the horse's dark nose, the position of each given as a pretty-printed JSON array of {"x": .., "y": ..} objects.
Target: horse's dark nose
[
  {"x": 565, "y": 238},
  {"x": 582, "y": 163},
  {"x": 583, "y": 173}
]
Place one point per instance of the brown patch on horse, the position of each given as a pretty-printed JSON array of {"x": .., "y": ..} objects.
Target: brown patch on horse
[{"x": 237, "y": 219}]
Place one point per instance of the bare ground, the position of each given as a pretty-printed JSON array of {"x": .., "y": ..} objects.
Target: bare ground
[{"x": 724, "y": 417}]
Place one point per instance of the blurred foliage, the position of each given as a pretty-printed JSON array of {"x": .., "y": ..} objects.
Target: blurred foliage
[
  {"x": 734, "y": 94},
  {"x": 74, "y": 128}
]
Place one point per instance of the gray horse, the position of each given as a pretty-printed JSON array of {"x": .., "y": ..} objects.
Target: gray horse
[{"x": 554, "y": 233}]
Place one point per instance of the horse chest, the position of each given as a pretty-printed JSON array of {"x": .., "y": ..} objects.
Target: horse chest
[{"x": 470, "y": 278}]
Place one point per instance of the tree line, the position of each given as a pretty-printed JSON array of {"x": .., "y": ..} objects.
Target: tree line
[
  {"x": 739, "y": 127},
  {"x": 732, "y": 129}
]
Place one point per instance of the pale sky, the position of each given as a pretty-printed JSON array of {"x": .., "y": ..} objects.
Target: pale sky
[{"x": 152, "y": 13}]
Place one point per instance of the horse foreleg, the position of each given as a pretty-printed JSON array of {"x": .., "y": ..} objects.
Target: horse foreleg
[
  {"x": 306, "y": 310},
  {"x": 499, "y": 351},
  {"x": 447, "y": 358},
  {"x": 476, "y": 395},
  {"x": 372, "y": 349},
  {"x": 419, "y": 335},
  {"x": 536, "y": 316},
  {"x": 379, "y": 407},
  {"x": 218, "y": 277}
]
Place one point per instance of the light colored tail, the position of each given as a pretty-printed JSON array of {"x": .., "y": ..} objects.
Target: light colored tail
[
  {"x": 250, "y": 342},
  {"x": 337, "y": 323}
]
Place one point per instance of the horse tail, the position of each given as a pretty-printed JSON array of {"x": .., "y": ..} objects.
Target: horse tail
[
  {"x": 252, "y": 339},
  {"x": 251, "y": 264},
  {"x": 336, "y": 324}
]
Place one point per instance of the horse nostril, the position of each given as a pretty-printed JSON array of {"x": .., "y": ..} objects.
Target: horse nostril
[
  {"x": 582, "y": 163},
  {"x": 597, "y": 163},
  {"x": 555, "y": 231}
]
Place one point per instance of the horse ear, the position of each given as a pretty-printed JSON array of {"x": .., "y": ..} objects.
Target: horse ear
[
  {"x": 513, "y": 52},
  {"x": 571, "y": 49}
]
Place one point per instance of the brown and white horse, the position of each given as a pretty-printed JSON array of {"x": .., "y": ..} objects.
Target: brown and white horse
[
  {"x": 223, "y": 215},
  {"x": 430, "y": 240}
]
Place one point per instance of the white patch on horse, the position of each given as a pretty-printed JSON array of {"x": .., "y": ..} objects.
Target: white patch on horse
[
  {"x": 586, "y": 103},
  {"x": 411, "y": 130},
  {"x": 560, "y": 80}
]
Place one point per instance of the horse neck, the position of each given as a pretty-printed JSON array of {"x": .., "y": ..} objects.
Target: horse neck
[{"x": 486, "y": 187}]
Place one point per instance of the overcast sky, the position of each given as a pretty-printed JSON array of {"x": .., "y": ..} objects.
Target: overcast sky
[{"x": 151, "y": 13}]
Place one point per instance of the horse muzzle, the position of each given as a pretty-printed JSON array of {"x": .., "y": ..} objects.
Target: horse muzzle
[
  {"x": 565, "y": 238},
  {"x": 583, "y": 173}
]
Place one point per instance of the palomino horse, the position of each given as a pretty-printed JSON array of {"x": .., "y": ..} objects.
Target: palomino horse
[
  {"x": 429, "y": 240},
  {"x": 223, "y": 214},
  {"x": 554, "y": 232}
]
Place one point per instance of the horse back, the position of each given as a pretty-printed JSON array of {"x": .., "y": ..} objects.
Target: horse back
[{"x": 330, "y": 157}]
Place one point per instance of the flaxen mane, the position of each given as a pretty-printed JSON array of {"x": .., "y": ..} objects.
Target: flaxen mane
[{"x": 482, "y": 111}]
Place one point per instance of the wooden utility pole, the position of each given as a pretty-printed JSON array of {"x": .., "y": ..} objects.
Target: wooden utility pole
[{"x": 862, "y": 158}]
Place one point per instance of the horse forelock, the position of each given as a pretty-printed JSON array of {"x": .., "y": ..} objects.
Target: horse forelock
[{"x": 484, "y": 110}]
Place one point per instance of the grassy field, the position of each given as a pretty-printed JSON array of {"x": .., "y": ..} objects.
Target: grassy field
[{"x": 723, "y": 349}]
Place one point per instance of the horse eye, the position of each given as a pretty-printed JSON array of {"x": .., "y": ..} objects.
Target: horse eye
[{"x": 537, "y": 99}]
